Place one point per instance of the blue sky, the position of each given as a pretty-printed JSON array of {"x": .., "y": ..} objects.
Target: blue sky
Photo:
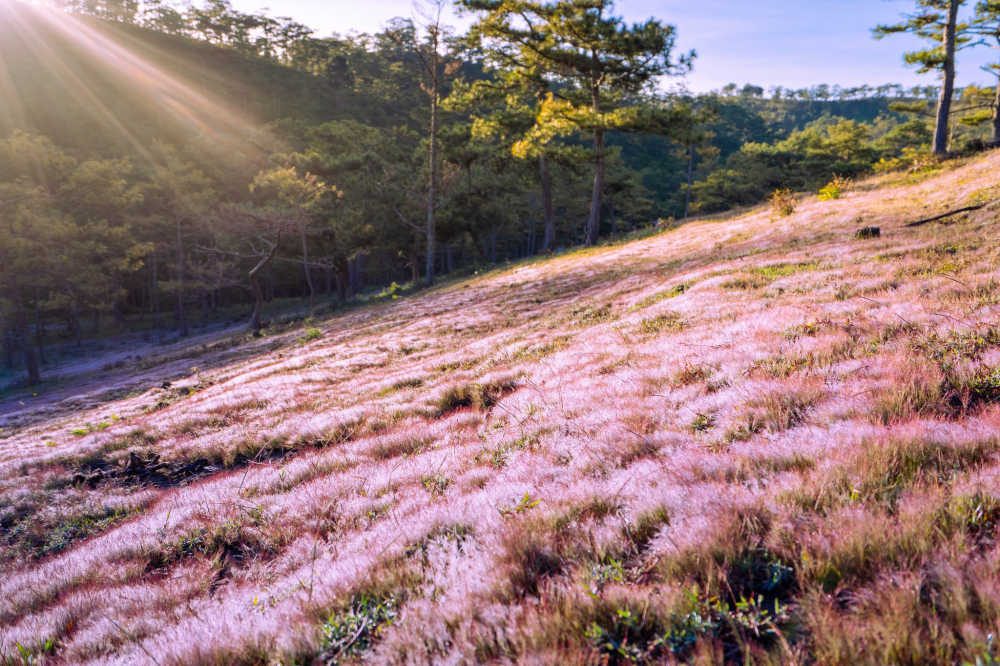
[{"x": 794, "y": 43}]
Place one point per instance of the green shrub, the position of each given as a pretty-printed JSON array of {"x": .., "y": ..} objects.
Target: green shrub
[
  {"x": 834, "y": 189},
  {"x": 351, "y": 632},
  {"x": 311, "y": 334}
]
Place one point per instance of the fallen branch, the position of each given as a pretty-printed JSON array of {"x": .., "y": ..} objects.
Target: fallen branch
[{"x": 968, "y": 209}]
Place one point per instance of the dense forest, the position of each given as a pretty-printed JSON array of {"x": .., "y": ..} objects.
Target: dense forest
[{"x": 167, "y": 168}]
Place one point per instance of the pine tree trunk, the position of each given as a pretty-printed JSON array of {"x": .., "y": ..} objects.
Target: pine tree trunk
[
  {"x": 593, "y": 228},
  {"x": 549, "y": 244},
  {"x": 155, "y": 293},
  {"x": 359, "y": 263},
  {"x": 352, "y": 286},
  {"x": 341, "y": 292},
  {"x": 258, "y": 293},
  {"x": 182, "y": 316},
  {"x": 8, "y": 349},
  {"x": 305, "y": 267},
  {"x": 594, "y": 223},
  {"x": 39, "y": 326},
  {"x": 614, "y": 222},
  {"x": 995, "y": 138},
  {"x": 432, "y": 187},
  {"x": 942, "y": 126},
  {"x": 687, "y": 203},
  {"x": 74, "y": 314},
  {"x": 21, "y": 324},
  {"x": 116, "y": 307}
]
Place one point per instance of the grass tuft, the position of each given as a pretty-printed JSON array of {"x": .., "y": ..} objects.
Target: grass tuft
[{"x": 482, "y": 396}]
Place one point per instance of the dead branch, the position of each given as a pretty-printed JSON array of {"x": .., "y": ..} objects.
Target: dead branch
[
  {"x": 403, "y": 218},
  {"x": 967, "y": 209},
  {"x": 321, "y": 262}
]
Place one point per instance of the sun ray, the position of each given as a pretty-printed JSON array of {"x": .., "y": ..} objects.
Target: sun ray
[{"x": 85, "y": 57}]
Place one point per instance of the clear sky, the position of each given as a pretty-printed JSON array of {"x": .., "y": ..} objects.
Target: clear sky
[{"x": 794, "y": 43}]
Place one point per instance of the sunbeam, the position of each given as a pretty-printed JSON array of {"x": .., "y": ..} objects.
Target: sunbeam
[{"x": 86, "y": 59}]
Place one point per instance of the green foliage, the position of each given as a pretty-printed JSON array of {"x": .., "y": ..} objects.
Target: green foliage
[
  {"x": 523, "y": 505},
  {"x": 38, "y": 539},
  {"x": 703, "y": 423},
  {"x": 834, "y": 189},
  {"x": 350, "y": 633},
  {"x": 310, "y": 335}
]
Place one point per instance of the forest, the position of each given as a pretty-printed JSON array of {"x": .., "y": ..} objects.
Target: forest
[{"x": 167, "y": 168}]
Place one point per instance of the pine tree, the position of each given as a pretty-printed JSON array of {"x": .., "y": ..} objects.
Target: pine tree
[
  {"x": 436, "y": 51},
  {"x": 986, "y": 25},
  {"x": 597, "y": 65},
  {"x": 935, "y": 20}
]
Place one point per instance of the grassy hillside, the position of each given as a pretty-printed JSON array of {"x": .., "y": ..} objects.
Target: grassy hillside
[{"x": 740, "y": 440}]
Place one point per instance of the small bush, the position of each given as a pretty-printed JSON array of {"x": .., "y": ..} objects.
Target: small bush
[
  {"x": 782, "y": 203},
  {"x": 691, "y": 374},
  {"x": 985, "y": 386},
  {"x": 638, "y": 449},
  {"x": 530, "y": 560},
  {"x": 311, "y": 334},
  {"x": 781, "y": 412},
  {"x": 834, "y": 189},
  {"x": 38, "y": 538}
]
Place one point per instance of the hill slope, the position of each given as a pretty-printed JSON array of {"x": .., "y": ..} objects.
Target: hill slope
[{"x": 740, "y": 440}]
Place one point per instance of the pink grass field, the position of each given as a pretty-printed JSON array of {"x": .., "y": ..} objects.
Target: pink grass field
[{"x": 627, "y": 454}]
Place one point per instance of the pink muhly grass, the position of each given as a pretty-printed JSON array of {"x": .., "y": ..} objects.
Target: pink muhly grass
[{"x": 484, "y": 455}]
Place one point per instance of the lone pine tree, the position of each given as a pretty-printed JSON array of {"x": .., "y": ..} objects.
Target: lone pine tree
[
  {"x": 935, "y": 20},
  {"x": 598, "y": 68}
]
